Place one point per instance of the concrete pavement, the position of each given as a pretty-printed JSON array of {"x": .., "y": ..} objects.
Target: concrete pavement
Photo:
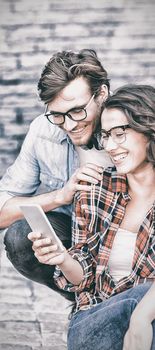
[{"x": 32, "y": 317}]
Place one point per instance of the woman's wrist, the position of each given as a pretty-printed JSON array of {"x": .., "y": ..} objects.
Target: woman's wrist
[{"x": 71, "y": 269}]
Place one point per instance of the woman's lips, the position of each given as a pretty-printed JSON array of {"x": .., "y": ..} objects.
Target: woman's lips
[{"x": 118, "y": 158}]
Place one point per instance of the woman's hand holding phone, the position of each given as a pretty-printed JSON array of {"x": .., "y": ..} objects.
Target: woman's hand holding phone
[
  {"x": 47, "y": 246},
  {"x": 45, "y": 251}
]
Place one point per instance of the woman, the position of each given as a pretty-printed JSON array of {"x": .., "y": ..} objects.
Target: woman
[{"x": 111, "y": 266}]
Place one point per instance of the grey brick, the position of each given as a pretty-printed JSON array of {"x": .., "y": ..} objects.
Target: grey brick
[{"x": 122, "y": 32}]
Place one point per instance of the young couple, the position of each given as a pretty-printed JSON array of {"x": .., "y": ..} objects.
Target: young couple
[{"x": 110, "y": 266}]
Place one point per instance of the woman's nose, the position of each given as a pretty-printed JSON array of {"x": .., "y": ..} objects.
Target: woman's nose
[{"x": 110, "y": 144}]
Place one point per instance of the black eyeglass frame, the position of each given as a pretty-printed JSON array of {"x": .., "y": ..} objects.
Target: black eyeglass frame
[
  {"x": 47, "y": 114},
  {"x": 108, "y": 133}
]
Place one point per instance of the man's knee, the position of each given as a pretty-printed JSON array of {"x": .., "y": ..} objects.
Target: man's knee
[
  {"x": 19, "y": 247},
  {"x": 62, "y": 226},
  {"x": 15, "y": 238},
  {"x": 20, "y": 253}
]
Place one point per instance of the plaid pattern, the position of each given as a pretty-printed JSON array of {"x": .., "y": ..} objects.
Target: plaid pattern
[{"x": 96, "y": 219}]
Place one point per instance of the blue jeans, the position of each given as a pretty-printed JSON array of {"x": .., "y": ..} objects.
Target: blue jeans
[
  {"x": 20, "y": 253},
  {"x": 103, "y": 327}
]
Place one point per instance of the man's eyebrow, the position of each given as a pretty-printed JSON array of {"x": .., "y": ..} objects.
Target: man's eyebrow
[
  {"x": 77, "y": 107},
  {"x": 70, "y": 110}
]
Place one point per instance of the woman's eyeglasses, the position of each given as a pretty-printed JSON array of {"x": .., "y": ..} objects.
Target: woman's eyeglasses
[{"x": 117, "y": 134}]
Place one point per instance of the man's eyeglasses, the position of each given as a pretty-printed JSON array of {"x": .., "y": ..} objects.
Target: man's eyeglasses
[
  {"x": 117, "y": 133},
  {"x": 76, "y": 114}
]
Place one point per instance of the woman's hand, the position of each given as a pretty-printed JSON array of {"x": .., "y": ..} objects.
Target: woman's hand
[
  {"x": 45, "y": 251},
  {"x": 140, "y": 333}
]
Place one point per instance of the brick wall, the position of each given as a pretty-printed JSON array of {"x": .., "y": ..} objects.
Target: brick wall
[{"x": 121, "y": 31}]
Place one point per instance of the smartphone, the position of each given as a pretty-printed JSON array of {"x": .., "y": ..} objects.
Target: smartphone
[{"x": 39, "y": 222}]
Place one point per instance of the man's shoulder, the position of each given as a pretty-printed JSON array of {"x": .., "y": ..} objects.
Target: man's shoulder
[{"x": 41, "y": 127}]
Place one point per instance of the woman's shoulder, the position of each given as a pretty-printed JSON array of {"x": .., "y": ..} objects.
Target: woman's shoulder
[
  {"x": 113, "y": 181},
  {"x": 110, "y": 171},
  {"x": 109, "y": 174}
]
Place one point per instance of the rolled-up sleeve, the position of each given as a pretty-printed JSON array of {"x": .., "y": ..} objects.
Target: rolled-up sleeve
[
  {"x": 4, "y": 197},
  {"x": 79, "y": 251},
  {"x": 85, "y": 261},
  {"x": 21, "y": 178}
]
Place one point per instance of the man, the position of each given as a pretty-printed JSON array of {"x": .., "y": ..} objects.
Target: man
[{"x": 51, "y": 163}]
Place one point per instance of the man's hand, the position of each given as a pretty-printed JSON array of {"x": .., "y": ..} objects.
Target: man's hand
[
  {"x": 48, "y": 201},
  {"x": 89, "y": 172},
  {"x": 45, "y": 251}
]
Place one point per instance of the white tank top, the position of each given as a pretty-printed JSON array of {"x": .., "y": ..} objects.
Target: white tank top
[{"x": 121, "y": 256}]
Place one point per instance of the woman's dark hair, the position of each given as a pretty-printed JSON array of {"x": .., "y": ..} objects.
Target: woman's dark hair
[
  {"x": 65, "y": 66},
  {"x": 138, "y": 104}
]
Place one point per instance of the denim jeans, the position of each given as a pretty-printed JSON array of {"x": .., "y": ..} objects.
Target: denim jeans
[
  {"x": 20, "y": 253},
  {"x": 103, "y": 327}
]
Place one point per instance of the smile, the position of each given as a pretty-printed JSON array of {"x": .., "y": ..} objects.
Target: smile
[
  {"x": 78, "y": 131},
  {"x": 118, "y": 157}
]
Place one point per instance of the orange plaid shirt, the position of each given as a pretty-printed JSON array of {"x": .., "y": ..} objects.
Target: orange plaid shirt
[{"x": 97, "y": 216}]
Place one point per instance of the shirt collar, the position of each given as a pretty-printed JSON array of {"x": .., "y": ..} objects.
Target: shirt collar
[{"x": 119, "y": 183}]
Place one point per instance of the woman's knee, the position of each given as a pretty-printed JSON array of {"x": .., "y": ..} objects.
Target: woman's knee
[
  {"x": 102, "y": 327},
  {"x": 138, "y": 291}
]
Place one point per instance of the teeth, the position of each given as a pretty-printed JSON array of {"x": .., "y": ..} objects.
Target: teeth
[
  {"x": 77, "y": 131},
  {"x": 119, "y": 156}
]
